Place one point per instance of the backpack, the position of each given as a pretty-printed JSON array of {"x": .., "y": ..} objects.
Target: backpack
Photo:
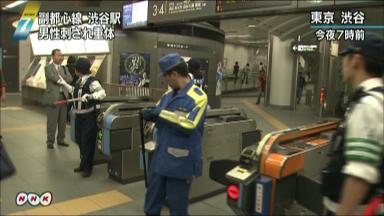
[
  {"x": 331, "y": 177},
  {"x": 6, "y": 166}
]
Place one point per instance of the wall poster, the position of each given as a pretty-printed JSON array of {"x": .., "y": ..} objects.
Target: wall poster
[{"x": 134, "y": 69}]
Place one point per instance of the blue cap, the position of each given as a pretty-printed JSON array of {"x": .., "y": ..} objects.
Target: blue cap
[
  {"x": 372, "y": 47},
  {"x": 169, "y": 61}
]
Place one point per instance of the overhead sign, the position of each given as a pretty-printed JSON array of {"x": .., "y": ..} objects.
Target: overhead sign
[
  {"x": 302, "y": 48},
  {"x": 173, "y": 45},
  {"x": 166, "y": 11},
  {"x": 135, "y": 14},
  {"x": 225, "y": 5}
]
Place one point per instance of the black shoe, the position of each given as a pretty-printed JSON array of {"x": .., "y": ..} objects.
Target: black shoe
[
  {"x": 78, "y": 169},
  {"x": 86, "y": 174},
  {"x": 50, "y": 146},
  {"x": 63, "y": 144}
]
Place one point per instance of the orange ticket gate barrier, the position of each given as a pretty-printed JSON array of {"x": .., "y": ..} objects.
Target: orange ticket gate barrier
[{"x": 282, "y": 171}]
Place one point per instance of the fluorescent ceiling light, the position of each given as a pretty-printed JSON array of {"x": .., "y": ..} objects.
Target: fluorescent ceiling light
[
  {"x": 13, "y": 4},
  {"x": 238, "y": 36},
  {"x": 315, "y": 1},
  {"x": 259, "y": 41},
  {"x": 252, "y": 26}
]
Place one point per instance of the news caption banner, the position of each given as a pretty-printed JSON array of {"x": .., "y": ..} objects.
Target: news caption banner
[
  {"x": 73, "y": 26},
  {"x": 351, "y": 25}
]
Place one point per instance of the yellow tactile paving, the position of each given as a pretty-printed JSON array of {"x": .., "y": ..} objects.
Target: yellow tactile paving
[
  {"x": 265, "y": 115},
  {"x": 114, "y": 198},
  {"x": 18, "y": 213},
  {"x": 50, "y": 210},
  {"x": 11, "y": 108},
  {"x": 80, "y": 206},
  {"x": 77, "y": 206}
]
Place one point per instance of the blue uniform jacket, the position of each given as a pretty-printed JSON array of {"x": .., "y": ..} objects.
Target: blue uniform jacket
[{"x": 180, "y": 128}]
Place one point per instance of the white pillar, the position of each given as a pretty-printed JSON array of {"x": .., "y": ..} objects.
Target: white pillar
[
  {"x": 281, "y": 73},
  {"x": 109, "y": 63},
  {"x": 25, "y": 52}
]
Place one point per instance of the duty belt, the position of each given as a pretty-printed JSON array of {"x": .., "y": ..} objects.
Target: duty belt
[{"x": 83, "y": 111}]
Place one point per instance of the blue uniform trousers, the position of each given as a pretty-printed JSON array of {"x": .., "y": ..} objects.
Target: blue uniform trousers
[
  {"x": 175, "y": 190},
  {"x": 85, "y": 135}
]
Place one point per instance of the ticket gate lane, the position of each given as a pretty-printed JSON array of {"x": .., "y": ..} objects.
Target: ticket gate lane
[{"x": 272, "y": 177}]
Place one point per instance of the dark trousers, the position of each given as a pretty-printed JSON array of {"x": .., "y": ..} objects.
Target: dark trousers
[
  {"x": 69, "y": 107},
  {"x": 261, "y": 92},
  {"x": 85, "y": 136},
  {"x": 56, "y": 118},
  {"x": 175, "y": 190},
  {"x": 299, "y": 94},
  {"x": 235, "y": 78}
]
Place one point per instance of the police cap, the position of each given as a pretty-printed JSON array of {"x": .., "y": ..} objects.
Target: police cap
[
  {"x": 169, "y": 61},
  {"x": 372, "y": 47},
  {"x": 83, "y": 65}
]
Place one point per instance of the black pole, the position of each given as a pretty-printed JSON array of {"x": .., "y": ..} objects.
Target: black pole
[
  {"x": 143, "y": 148},
  {"x": 119, "y": 101}
]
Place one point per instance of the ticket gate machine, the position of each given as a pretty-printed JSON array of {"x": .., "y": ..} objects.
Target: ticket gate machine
[
  {"x": 241, "y": 182},
  {"x": 103, "y": 105},
  {"x": 121, "y": 141},
  {"x": 226, "y": 132},
  {"x": 274, "y": 176}
]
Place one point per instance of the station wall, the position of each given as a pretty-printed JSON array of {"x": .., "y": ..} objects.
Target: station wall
[
  {"x": 244, "y": 54},
  {"x": 154, "y": 45}
]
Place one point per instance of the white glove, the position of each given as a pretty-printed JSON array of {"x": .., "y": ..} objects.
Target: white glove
[
  {"x": 86, "y": 97},
  {"x": 66, "y": 85},
  {"x": 61, "y": 81},
  {"x": 99, "y": 95}
]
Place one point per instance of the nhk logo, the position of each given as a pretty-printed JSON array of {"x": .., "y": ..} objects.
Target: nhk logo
[{"x": 45, "y": 199}]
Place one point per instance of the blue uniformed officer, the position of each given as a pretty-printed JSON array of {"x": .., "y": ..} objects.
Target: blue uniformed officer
[
  {"x": 194, "y": 67},
  {"x": 179, "y": 117},
  {"x": 89, "y": 90},
  {"x": 355, "y": 172}
]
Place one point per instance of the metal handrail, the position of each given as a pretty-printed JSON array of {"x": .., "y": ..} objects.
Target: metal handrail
[{"x": 114, "y": 89}]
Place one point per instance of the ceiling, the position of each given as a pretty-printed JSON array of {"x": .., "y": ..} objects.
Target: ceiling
[
  {"x": 4, "y": 3},
  {"x": 70, "y": 5},
  {"x": 254, "y": 31}
]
